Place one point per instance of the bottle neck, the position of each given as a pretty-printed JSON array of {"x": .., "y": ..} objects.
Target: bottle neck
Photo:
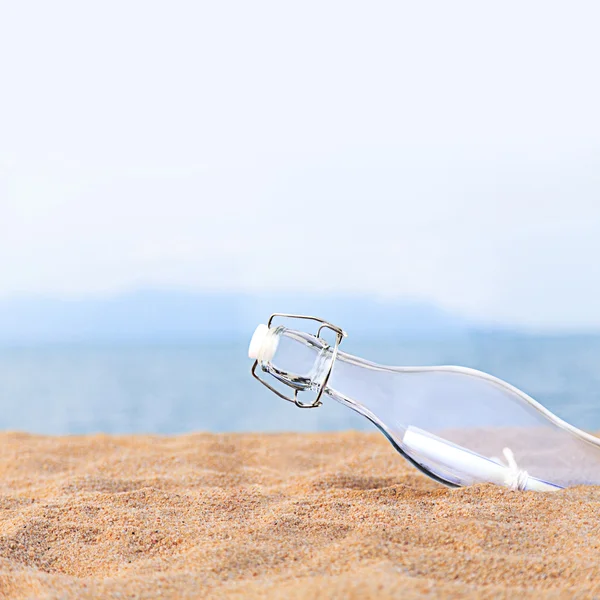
[
  {"x": 303, "y": 362},
  {"x": 295, "y": 358}
]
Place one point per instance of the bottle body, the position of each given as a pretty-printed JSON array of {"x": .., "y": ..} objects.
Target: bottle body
[{"x": 458, "y": 425}]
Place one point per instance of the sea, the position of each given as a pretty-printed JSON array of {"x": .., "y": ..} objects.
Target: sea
[{"x": 171, "y": 388}]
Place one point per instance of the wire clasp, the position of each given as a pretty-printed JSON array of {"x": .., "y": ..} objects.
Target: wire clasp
[{"x": 340, "y": 335}]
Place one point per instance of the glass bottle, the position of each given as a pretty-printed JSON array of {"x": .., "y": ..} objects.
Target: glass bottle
[{"x": 458, "y": 425}]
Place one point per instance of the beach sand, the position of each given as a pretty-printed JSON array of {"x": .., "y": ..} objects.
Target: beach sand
[{"x": 284, "y": 516}]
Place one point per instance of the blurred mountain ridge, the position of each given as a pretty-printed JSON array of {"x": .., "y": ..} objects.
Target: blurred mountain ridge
[{"x": 173, "y": 315}]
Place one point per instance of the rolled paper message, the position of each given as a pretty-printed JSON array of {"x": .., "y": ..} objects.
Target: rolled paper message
[{"x": 430, "y": 447}]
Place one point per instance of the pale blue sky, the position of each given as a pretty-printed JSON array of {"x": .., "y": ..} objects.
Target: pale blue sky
[{"x": 448, "y": 151}]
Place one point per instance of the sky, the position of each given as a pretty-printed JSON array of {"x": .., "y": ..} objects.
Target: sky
[{"x": 439, "y": 151}]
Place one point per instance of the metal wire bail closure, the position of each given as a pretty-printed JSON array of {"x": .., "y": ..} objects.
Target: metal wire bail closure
[{"x": 340, "y": 335}]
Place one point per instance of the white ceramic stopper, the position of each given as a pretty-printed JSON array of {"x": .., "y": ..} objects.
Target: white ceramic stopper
[{"x": 261, "y": 344}]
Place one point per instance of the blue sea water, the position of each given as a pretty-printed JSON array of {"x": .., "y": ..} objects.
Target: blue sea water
[{"x": 207, "y": 386}]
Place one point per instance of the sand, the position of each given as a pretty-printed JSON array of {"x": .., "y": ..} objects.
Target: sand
[{"x": 280, "y": 516}]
